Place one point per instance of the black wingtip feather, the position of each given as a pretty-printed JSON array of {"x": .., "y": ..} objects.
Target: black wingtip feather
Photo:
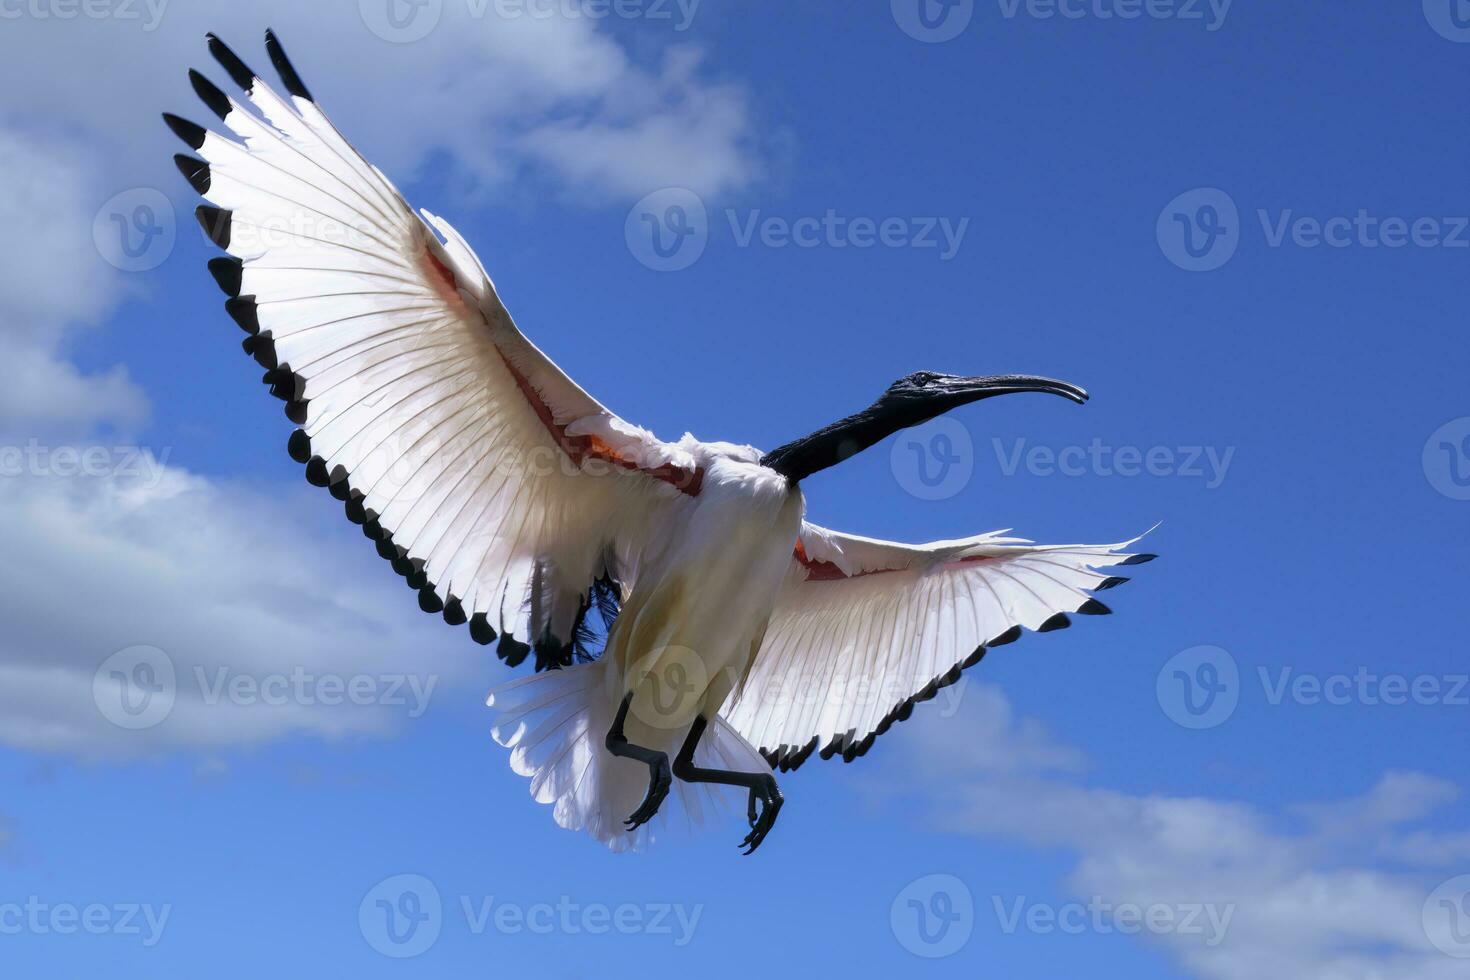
[
  {"x": 261, "y": 347},
  {"x": 1009, "y": 636},
  {"x": 242, "y": 310},
  {"x": 511, "y": 650},
  {"x": 480, "y": 629},
  {"x": 299, "y": 446},
  {"x": 1094, "y": 608},
  {"x": 354, "y": 509},
  {"x": 429, "y": 600},
  {"x": 1138, "y": 559},
  {"x": 228, "y": 271},
  {"x": 210, "y": 94},
  {"x": 454, "y": 613},
  {"x": 1111, "y": 583},
  {"x": 215, "y": 222},
  {"x": 284, "y": 68},
  {"x": 316, "y": 472},
  {"x": 191, "y": 133},
  {"x": 239, "y": 73},
  {"x": 1057, "y": 622},
  {"x": 195, "y": 171}
]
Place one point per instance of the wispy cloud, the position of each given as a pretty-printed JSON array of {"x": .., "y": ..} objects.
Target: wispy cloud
[
  {"x": 496, "y": 96},
  {"x": 1316, "y": 891}
]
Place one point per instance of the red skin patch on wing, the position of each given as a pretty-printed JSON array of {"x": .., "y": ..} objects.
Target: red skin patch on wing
[
  {"x": 441, "y": 277},
  {"x": 577, "y": 448},
  {"x": 818, "y": 570}
]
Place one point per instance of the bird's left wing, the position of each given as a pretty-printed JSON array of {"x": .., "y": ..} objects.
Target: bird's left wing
[
  {"x": 864, "y": 629},
  {"x": 503, "y": 492}
]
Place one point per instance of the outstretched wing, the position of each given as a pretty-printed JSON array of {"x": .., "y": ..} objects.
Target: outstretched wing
[
  {"x": 865, "y": 629},
  {"x": 496, "y": 486}
]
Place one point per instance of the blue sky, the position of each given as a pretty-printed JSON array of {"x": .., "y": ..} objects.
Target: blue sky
[{"x": 1300, "y": 404}]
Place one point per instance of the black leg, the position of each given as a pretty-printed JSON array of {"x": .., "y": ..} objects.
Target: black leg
[
  {"x": 657, "y": 763},
  {"x": 762, "y": 786}
]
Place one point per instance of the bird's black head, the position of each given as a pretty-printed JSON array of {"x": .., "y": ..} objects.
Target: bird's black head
[
  {"x": 909, "y": 401},
  {"x": 930, "y": 393}
]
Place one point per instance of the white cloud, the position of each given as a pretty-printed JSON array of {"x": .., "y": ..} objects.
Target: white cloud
[
  {"x": 498, "y": 95},
  {"x": 232, "y": 585},
  {"x": 1322, "y": 896},
  {"x": 51, "y": 281}
]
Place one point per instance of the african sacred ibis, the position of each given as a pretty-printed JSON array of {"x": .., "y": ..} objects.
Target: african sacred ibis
[{"x": 739, "y": 637}]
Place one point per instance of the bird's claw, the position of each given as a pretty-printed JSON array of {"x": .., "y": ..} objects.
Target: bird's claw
[
  {"x": 659, "y": 782},
  {"x": 761, "y": 822}
]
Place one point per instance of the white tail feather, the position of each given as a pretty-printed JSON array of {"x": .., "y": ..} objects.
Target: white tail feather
[{"x": 554, "y": 724}]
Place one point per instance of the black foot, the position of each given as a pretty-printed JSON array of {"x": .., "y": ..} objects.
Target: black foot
[
  {"x": 659, "y": 776},
  {"x": 659, "y": 781},
  {"x": 769, "y": 794}
]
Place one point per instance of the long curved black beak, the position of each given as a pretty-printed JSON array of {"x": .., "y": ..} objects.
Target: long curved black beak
[{"x": 966, "y": 390}]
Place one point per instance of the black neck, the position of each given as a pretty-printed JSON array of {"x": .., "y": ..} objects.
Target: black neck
[{"x": 831, "y": 445}]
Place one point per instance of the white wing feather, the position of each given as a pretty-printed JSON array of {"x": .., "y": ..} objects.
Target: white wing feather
[
  {"x": 863, "y": 629},
  {"x": 460, "y": 447}
]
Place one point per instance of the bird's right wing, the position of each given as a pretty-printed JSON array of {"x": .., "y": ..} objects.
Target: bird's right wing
[
  {"x": 863, "y": 629},
  {"x": 504, "y": 493}
]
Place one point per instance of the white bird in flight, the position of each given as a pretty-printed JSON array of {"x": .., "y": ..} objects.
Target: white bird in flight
[{"x": 738, "y": 637}]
